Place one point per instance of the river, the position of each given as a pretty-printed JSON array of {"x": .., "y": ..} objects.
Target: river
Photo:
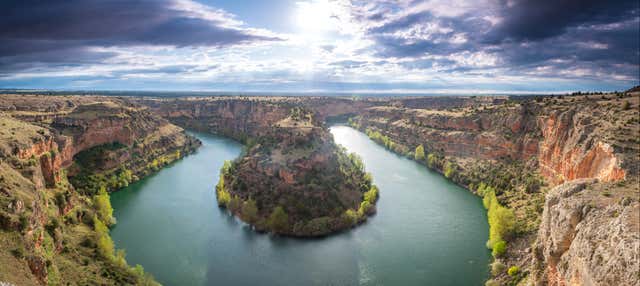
[{"x": 427, "y": 231}]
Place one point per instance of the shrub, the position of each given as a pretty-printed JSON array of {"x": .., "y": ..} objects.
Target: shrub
[
  {"x": 104, "y": 244},
  {"x": 372, "y": 195},
  {"x": 499, "y": 248},
  {"x": 449, "y": 169},
  {"x": 18, "y": 252},
  {"x": 419, "y": 153},
  {"x": 278, "y": 220},
  {"x": 250, "y": 211},
  {"x": 491, "y": 282},
  {"x": 625, "y": 105},
  {"x": 235, "y": 204},
  {"x": 365, "y": 206},
  {"x": 497, "y": 268},
  {"x": 350, "y": 217},
  {"x": 513, "y": 271},
  {"x": 501, "y": 219},
  {"x": 432, "y": 160},
  {"x": 223, "y": 196},
  {"x": 102, "y": 204}
]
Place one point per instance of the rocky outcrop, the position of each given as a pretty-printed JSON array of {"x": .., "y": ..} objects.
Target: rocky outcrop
[
  {"x": 571, "y": 150},
  {"x": 587, "y": 239}
]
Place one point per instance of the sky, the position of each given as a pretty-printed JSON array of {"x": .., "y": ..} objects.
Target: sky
[{"x": 402, "y": 46}]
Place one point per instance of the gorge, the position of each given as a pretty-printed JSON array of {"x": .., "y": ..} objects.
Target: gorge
[{"x": 561, "y": 169}]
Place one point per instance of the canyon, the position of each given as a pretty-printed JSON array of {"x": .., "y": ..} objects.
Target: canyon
[{"x": 566, "y": 165}]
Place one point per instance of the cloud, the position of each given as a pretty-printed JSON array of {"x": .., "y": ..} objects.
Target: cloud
[
  {"x": 55, "y": 30},
  {"x": 518, "y": 37},
  {"x": 541, "y": 19}
]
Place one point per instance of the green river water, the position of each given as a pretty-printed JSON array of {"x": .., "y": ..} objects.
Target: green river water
[{"x": 427, "y": 231}]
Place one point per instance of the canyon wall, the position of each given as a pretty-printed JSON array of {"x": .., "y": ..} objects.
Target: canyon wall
[{"x": 586, "y": 238}]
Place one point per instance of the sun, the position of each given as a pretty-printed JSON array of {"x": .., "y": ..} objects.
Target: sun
[{"x": 314, "y": 16}]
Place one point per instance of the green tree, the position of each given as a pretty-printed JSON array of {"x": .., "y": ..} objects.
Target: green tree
[
  {"x": 104, "y": 244},
  {"x": 499, "y": 248},
  {"x": 432, "y": 160},
  {"x": 419, "y": 153},
  {"x": 235, "y": 204},
  {"x": 365, "y": 206},
  {"x": 250, "y": 211},
  {"x": 449, "y": 169},
  {"x": 223, "y": 196},
  {"x": 497, "y": 268},
  {"x": 278, "y": 220},
  {"x": 513, "y": 270},
  {"x": 350, "y": 217},
  {"x": 372, "y": 195},
  {"x": 102, "y": 204}
]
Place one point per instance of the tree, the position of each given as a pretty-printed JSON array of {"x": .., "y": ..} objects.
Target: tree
[
  {"x": 513, "y": 270},
  {"x": 449, "y": 169},
  {"x": 497, "y": 268},
  {"x": 278, "y": 220},
  {"x": 250, "y": 211},
  {"x": 372, "y": 195},
  {"x": 350, "y": 217},
  {"x": 499, "y": 248},
  {"x": 223, "y": 196},
  {"x": 104, "y": 244},
  {"x": 102, "y": 204},
  {"x": 432, "y": 160},
  {"x": 235, "y": 204},
  {"x": 419, "y": 153}
]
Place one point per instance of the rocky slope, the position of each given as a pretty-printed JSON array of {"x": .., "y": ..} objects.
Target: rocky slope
[{"x": 47, "y": 231}]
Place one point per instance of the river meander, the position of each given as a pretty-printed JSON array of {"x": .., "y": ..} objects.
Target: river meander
[{"x": 427, "y": 231}]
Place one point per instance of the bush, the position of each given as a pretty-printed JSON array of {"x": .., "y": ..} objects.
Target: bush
[
  {"x": 419, "y": 153},
  {"x": 18, "y": 252},
  {"x": 102, "y": 204},
  {"x": 278, "y": 220},
  {"x": 499, "y": 248},
  {"x": 364, "y": 209},
  {"x": 372, "y": 195},
  {"x": 235, "y": 204},
  {"x": 449, "y": 169},
  {"x": 513, "y": 271},
  {"x": 250, "y": 211},
  {"x": 501, "y": 219},
  {"x": 491, "y": 282},
  {"x": 497, "y": 268},
  {"x": 223, "y": 196},
  {"x": 104, "y": 244},
  {"x": 625, "y": 105},
  {"x": 350, "y": 217}
]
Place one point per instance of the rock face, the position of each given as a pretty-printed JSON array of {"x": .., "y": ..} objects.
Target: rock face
[
  {"x": 586, "y": 240},
  {"x": 570, "y": 150}
]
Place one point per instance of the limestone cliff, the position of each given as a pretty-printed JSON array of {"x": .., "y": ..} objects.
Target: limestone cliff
[{"x": 586, "y": 238}]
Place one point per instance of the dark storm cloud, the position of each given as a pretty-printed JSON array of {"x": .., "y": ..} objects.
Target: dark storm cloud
[
  {"x": 551, "y": 34},
  {"x": 52, "y": 30},
  {"x": 539, "y": 19}
]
